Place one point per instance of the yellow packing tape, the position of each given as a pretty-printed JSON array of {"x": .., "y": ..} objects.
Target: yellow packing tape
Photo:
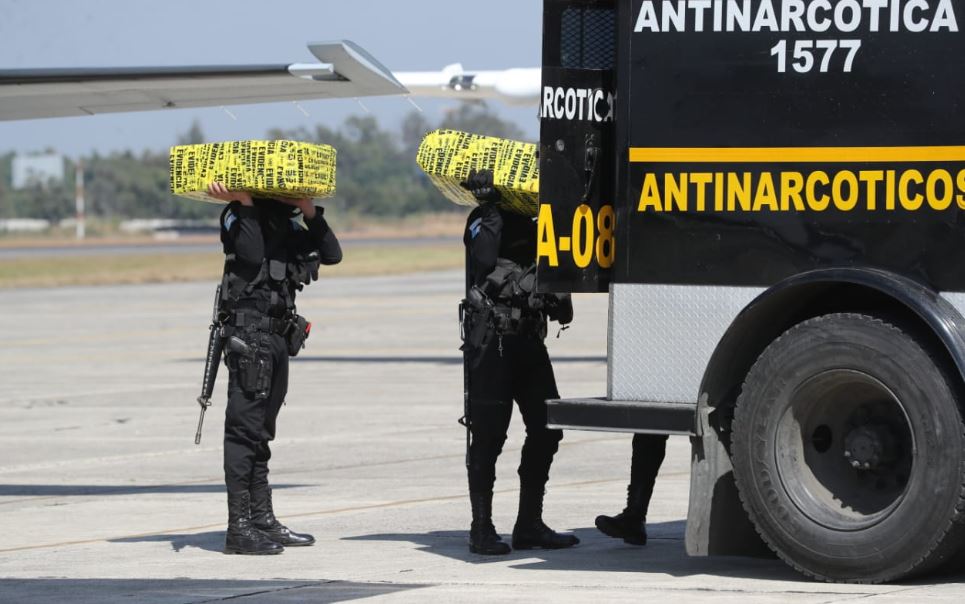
[
  {"x": 264, "y": 168},
  {"x": 447, "y": 156}
]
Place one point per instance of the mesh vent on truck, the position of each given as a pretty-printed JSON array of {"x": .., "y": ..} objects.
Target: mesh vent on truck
[{"x": 588, "y": 39}]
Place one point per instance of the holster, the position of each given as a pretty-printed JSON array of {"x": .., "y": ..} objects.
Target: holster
[
  {"x": 478, "y": 325},
  {"x": 251, "y": 362},
  {"x": 297, "y": 333},
  {"x": 479, "y": 329}
]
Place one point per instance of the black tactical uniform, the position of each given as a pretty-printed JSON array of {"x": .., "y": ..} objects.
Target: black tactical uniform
[
  {"x": 509, "y": 361},
  {"x": 630, "y": 524},
  {"x": 269, "y": 256}
]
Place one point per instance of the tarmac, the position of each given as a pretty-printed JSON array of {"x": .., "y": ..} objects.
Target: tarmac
[{"x": 105, "y": 498}]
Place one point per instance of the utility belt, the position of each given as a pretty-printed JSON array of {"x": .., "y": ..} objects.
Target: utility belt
[
  {"x": 252, "y": 319},
  {"x": 482, "y": 321},
  {"x": 515, "y": 321},
  {"x": 293, "y": 327}
]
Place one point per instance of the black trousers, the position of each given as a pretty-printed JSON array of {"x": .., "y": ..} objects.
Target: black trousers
[
  {"x": 521, "y": 372},
  {"x": 649, "y": 451},
  {"x": 250, "y": 419}
]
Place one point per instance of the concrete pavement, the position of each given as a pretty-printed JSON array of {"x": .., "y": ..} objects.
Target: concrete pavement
[{"x": 105, "y": 498}]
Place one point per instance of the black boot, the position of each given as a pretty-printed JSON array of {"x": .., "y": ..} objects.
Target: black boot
[
  {"x": 483, "y": 538},
  {"x": 530, "y": 532},
  {"x": 242, "y": 537},
  {"x": 630, "y": 524},
  {"x": 263, "y": 519}
]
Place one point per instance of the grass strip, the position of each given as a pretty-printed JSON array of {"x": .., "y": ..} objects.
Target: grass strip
[{"x": 170, "y": 268}]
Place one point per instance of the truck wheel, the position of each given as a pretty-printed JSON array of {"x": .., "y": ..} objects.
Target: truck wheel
[{"x": 849, "y": 451}]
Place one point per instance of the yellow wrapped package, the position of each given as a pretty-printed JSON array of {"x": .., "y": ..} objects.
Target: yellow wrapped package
[
  {"x": 263, "y": 168},
  {"x": 447, "y": 156}
]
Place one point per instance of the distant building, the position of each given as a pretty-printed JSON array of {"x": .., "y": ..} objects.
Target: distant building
[
  {"x": 23, "y": 225},
  {"x": 32, "y": 170}
]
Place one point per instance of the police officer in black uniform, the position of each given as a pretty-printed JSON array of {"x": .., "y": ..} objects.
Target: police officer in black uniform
[
  {"x": 269, "y": 255},
  {"x": 649, "y": 451},
  {"x": 506, "y": 359}
]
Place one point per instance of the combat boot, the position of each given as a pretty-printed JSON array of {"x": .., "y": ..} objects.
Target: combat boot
[
  {"x": 630, "y": 524},
  {"x": 242, "y": 537},
  {"x": 263, "y": 519},
  {"x": 530, "y": 531},
  {"x": 483, "y": 538}
]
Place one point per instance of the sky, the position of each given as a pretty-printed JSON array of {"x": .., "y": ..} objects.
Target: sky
[{"x": 405, "y": 35}]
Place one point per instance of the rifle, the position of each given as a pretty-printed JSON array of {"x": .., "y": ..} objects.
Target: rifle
[
  {"x": 211, "y": 361},
  {"x": 470, "y": 321},
  {"x": 464, "y": 420},
  {"x": 476, "y": 329}
]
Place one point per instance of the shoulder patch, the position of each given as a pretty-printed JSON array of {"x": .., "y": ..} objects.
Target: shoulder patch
[
  {"x": 475, "y": 227},
  {"x": 229, "y": 219}
]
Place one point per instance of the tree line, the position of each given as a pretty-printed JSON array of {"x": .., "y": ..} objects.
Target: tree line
[{"x": 377, "y": 173}]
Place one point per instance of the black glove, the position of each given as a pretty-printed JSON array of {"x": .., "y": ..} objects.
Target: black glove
[
  {"x": 560, "y": 308},
  {"x": 480, "y": 184}
]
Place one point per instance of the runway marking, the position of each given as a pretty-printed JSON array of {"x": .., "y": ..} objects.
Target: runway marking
[
  {"x": 200, "y": 327},
  {"x": 110, "y": 337},
  {"x": 112, "y": 391},
  {"x": 389, "y": 504},
  {"x": 274, "y": 472}
]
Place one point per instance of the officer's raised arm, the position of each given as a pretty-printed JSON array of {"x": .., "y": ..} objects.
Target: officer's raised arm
[
  {"x": 485, "y": 225},
  {"x": 240, "y": 231},
  {"x": 320, "y": 236},
  {"x": 329, "y": 250}
]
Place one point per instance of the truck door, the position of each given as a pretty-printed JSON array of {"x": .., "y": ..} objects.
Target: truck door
[{"x": 576, "y": 248}]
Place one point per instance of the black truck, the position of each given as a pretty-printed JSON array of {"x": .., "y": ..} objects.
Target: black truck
[{"x": 772, "y": 192}]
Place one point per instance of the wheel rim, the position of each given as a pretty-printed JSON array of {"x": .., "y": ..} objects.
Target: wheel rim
[{"x": 844, "y": 449}]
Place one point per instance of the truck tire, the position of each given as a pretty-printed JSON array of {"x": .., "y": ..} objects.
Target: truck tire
[{"x": 849, "y": 451}]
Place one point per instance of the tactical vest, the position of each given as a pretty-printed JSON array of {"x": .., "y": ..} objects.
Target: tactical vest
[
  {"x": 517, "y": 308},
  {"x": 510, "y": 284},
  {"x": 272, "y": 290}
]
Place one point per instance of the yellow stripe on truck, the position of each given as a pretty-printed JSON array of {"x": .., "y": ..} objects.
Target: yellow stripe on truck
[{"x": 850, "y": 184}]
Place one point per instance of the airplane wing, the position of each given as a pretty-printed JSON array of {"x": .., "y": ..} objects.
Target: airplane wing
[
  {"x": 345, "y": 70},
  {"x": 519, "y": 86}
]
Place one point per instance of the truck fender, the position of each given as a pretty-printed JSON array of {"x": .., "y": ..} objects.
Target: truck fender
[{"x": 717, "y": 523}]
